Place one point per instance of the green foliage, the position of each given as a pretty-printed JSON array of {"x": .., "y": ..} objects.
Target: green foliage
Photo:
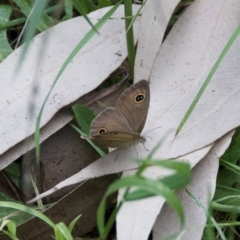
[
  {"x": 88, "y": 6},
  {"x": 5, "y": 48},
  {"x": 226, "y": 201},
  {"x": 18, "y": 217},
  {"x": 130, "y": 35},
  {"x": 140, "y": 187},
  {"x": 14, "y": 172},
  {"x": 84, "y": 117},
  {"x": 11, "y": 226},
  {"x": 40, "y": 19},
  {"x": 61, "y": 231},
  {"x": 68, "y": 9},
  {"x": 228, "y": 179}
]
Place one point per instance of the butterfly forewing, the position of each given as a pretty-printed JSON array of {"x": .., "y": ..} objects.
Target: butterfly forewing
[
  {"x": 133, "y": 104},
  {"x": 121, "y": 126}
]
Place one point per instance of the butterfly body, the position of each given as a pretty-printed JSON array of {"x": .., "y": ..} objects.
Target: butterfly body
[{"x": 120, "y": 126}]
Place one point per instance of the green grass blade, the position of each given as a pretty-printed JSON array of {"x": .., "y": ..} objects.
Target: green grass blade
[
  {"x": 62, "y": 232},
  {"x": 208, "y": 79},
  {"x": 138, "y": 13},
  {"x": 225, "y": 208},
  {"x": 10, "y": 235},
  {"x": 144, "y": 187},
  {"x": 36, "y": 13},
  {"x": 220, "y": 232},
  {"x": 34, "y": 21},
  {"x": 82, "y": 8},
  {"x": 73, "y": 223},
  {"x": 28, "y": 210},
  {"x": 129, "y": 35},
  {"x": 18, "y": 21},
  {"x": 99, "y": 150},
  {"x": 68, "y": 9},
  {"x": 5, "y": 49},
  {"x": 81, "y": 44}
]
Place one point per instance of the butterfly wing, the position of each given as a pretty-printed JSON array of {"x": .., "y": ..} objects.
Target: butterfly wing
[
  {"x": 111, "y": 129},
  {"x": 133, "y": 104},
  {"x": 109, "y": 120},
  {"x": 121, "y": 126}
]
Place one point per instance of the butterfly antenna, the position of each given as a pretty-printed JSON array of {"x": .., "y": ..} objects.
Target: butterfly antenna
[
  {"x": 152, "y": 130},
  {"x": 145, "y": 146}
]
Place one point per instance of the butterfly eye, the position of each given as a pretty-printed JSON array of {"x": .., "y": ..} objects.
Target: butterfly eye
[
  {"x": 102, "y": 130},
  {"x": 139, "y": 98}
]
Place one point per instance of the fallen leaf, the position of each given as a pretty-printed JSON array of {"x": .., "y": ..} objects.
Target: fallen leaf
[{"x": 21, "y": 98}]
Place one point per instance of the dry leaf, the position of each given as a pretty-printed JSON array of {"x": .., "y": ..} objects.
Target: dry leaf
[
  {"x": 21, "y": 98},
  {"x": 181, "y": 66},
  {"x": 83, "y": 200},
  {"x": 202, "y": 188}
]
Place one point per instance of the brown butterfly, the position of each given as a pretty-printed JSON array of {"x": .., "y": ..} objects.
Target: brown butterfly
[{"x": 120, "y": 126}]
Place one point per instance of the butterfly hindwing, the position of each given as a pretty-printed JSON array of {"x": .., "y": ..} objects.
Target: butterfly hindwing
[
  {"x": 111, "y": 121},
  {"x": 133, "y": 104}
]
